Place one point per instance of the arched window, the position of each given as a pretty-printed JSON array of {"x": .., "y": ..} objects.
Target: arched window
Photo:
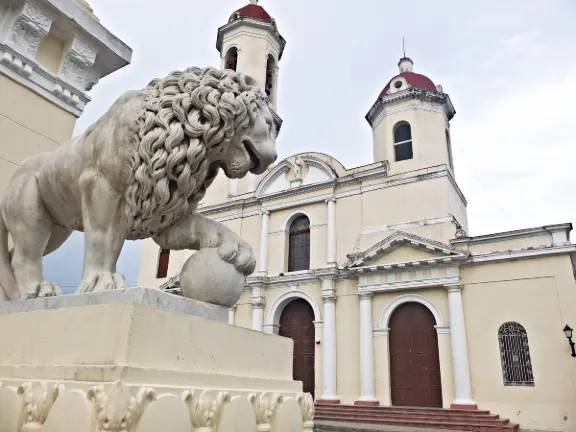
[
  {"x": 270, "y": 77},
  {"x": 403, "y": 141},
  {"x": 163, "y": 261},
  {"x": 299, "y": 244},
  {"x": 449, "y": 144},
  {"x": 231, "y": 59},
  {"x": 515, "y": 355}
]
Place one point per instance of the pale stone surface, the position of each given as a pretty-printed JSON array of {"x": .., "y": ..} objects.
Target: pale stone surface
[
  {"x": 142, "y": 296},
  {"x": 64, "y": 191},
  {"x": 11, "y": 414},
  {"x": 133, "y": 367},
  {"x": 72, "y": 412},
  {"x": 167, "y": 414},
  {"x": 207, "y": 278},
  {"x": 238, "y": 416}
]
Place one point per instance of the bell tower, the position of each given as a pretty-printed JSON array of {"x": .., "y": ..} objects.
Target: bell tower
[
  {"x": 410, "y": 122},
  {"x": 251, "y": 43}
]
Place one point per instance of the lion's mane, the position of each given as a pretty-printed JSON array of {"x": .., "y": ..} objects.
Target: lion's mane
[{"x": 189, "y": 116}]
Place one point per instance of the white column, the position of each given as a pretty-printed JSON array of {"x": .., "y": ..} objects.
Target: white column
[
  {"x": 258, "y": 302},
  {"x": 251, "y": 182},
  {"x": 232, "y": 315},
  {"x": 263, "y": 264},
  {"x": 329, "y": 354},
  {"x": 331, "y": 237},
  {"x": 233, "y": 187},
  {"x": 367, "y": 387},
  {"x": 460, "y": 364}
]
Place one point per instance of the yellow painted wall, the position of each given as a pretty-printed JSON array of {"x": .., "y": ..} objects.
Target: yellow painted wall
[
  {"x": 29, "y": 124},
  {"x": 539, "y": 294},
  {"x": 50, "y": 52}
]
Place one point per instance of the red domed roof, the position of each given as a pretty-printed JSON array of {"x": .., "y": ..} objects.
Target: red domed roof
[
  {"x": 253, "y": 11},
  {"x": 415, "y": 80}
]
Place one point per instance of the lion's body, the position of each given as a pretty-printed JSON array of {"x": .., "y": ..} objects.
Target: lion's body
[{"x": 138, "y": 172}]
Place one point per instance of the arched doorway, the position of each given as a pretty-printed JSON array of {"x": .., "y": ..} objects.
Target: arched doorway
[
  {"x": 297, "y": 323},
  {"x": 414, "y": 362}
]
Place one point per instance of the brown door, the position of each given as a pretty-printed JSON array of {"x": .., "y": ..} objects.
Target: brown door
[
  {"x": 414, "y": 363},
  {"x": 297, "y": 323}
]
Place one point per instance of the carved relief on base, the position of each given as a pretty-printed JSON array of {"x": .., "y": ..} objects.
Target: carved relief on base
[{"x": 116, "y": 407}]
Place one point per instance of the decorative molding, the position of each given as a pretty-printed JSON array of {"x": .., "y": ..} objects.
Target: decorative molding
[
  {"x": 38, "y": 401},
  {"x": 76, "y": 62},
  {"x": 409, "y": 284},
  {"x": 205, "y": 408},
  {"x": 117, "y": 410},
  {"x": 442, "y": 329},
  {"x": 400, "y": 238},
  {"x": 516, "y": 254},
  {"x": 308, "y": 410},
  {"x": 265, "y": 406},
  {"x": 515, "y": 234},
  {"x": 31, "y": 26},
  {"x": 409, "y": 298},
  {"x": 385, "y": 113},
  {"x": 285, "y": 227},
  {"x": 379, "y": 332},
  {"x": 412, "y": 93},
  {"x": 118, "y": 407},
  {"x": 283, "y": 301}
]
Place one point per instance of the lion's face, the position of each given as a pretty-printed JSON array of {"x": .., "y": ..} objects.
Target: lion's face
[{"x": 253, "y": 149}]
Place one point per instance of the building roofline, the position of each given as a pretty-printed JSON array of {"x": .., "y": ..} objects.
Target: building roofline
[{"x": 514, "y": 234}]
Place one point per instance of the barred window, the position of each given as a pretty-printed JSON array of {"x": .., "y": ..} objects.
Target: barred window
[
  {"x": 403, "y": 141},
  {"x": 299, "y": 245},
  {"x": 515, "y": 355}
]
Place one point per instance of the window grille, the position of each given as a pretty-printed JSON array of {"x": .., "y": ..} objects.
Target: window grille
[
  {"x": 515, "y": 355},
  {"x": 299, "y": 245},
  {"x": 403, "y": 141}
]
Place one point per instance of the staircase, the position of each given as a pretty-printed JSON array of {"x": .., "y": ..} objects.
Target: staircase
[{"x": 328, "y": 416}]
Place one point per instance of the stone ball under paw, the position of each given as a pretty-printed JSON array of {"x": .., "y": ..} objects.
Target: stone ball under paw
[{"x": 206, "y": 277}]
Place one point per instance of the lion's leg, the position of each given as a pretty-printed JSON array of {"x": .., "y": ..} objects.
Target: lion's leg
[
  {"x": 198, "y": 232},
  {"x": 31, "y": 227},
  {"x": 105, "y": 232}
]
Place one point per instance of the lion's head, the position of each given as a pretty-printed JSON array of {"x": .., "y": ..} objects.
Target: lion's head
[{"x": 194, "y": 123}]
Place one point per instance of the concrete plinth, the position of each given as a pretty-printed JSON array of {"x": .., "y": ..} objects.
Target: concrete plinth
[{"x": 126, "y": 361}]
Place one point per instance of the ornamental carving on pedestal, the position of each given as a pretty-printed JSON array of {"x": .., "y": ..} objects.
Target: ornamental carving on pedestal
[
  {"x": 204, "y": 408},
  {"x": 307, "y": 406},
  {"x": 38, "y": 400},
  {"x": 30, "y": 28},
  {"x": 265, "y": 406},
  {"x": 117, "y": 410},
  {"x": 76, "y": 65}
]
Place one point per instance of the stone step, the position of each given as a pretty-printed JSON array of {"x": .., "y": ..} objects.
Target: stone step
[
  {"x": 357, "y": 416},
  {"x": 420, "y": 423},
  {"x": 401, "y": 410}
]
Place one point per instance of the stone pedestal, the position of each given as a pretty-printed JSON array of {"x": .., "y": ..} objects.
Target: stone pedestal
[{"x": 142, "y": 360}]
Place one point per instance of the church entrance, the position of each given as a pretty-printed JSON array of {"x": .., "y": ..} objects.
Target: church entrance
[
  {"x": 297, "y": 323},
  {"x": 414, "y": 362}
]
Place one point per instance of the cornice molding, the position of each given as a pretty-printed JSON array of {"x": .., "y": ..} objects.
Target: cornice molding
[
  {"x": 511, "y": 235},
  {"x": 412, "y": 93},
  {"x": 277, "y": 42}
]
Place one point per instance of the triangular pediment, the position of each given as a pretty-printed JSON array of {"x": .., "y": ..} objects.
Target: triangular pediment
[{"x": 401, "y": 249}]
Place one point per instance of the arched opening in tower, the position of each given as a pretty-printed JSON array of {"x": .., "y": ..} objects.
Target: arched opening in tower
[
  {"x": 231, "y": 61},
  {"x": 270, "y": 77}
]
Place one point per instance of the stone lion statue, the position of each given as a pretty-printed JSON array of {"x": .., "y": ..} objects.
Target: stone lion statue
[{"x": 138, "y": 172}]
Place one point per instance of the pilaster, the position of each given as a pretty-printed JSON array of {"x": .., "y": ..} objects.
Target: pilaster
[
  {"x": 367, "y": 384},
  {"x": 329, "y": 353},
  {"x": 264, "y": 233},
  {"x": 460, "y": 363},
  {"x": 258, "y": 303}
]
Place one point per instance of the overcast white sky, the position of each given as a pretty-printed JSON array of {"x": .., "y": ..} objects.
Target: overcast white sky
[{"x": 509, "y": 67}]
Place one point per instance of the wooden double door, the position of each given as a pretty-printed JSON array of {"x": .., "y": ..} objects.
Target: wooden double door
[
  {"x": 414, "y": 363},
  {"x": 297, "y": 323}
]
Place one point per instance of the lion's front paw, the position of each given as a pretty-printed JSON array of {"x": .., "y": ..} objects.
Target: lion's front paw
[
  {"x": 238, "y": 253},
  {"x": 102, "y": 281},
  {"x": 41, "y": 290}
]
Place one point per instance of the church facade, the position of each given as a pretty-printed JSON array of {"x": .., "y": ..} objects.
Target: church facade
[{"x": 371, "y": 270}]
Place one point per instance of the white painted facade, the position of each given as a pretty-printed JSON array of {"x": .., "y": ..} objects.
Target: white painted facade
[{"x": 389, "y": 234}]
